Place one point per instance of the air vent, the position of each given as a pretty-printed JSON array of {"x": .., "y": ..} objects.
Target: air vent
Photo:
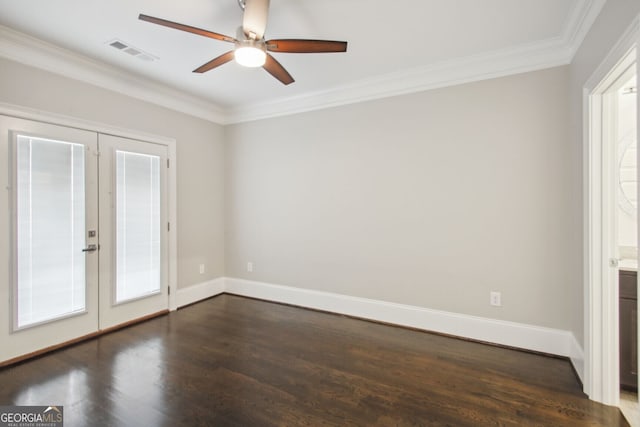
[
  {"x": 118, "y": 45},
  {"x": 133, "y": 51}
]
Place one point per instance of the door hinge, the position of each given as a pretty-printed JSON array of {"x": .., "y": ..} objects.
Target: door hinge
[
  {"x": 168, "y": 290},
  {"x": 168, "y": 226},
  {"x": 167, "y": 163}
]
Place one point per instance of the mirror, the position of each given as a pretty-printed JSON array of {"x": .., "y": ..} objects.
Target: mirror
[{"x": 628, "y": 179}]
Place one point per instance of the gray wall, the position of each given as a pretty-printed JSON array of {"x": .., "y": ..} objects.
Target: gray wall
[
  {"x": 614, "y": 19},
  {"x": 430, "y": 199},
  {"x": 200, "y": 154}
]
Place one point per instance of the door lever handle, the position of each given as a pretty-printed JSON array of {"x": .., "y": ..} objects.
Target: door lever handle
[{"x": 90, "y": 248}]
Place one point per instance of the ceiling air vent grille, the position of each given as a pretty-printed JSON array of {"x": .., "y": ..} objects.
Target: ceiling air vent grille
[{"x": 133, "y": 51}]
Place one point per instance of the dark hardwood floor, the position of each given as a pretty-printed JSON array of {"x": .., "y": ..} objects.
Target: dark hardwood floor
[{"x": 232, "y": 361}]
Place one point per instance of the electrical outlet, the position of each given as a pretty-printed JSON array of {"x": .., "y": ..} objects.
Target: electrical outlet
[
  {"x": 201, "y": 268},
  {"x": 495, "y": 299},
  {"x": 250, "y": 267}
]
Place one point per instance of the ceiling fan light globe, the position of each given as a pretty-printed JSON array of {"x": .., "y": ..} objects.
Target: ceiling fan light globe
[{"x": 249, "y": 56}]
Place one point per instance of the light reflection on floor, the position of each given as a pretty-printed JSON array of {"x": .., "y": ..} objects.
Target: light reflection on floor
[
  {"x": 143, "y": 361},
  {"x": 129, "y": 375},
  {"x": 68, "y": 390},
  {"x": 630, "y": 407}
]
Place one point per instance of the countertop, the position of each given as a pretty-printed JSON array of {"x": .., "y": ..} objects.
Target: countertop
[{"x": 628, "y": 264}]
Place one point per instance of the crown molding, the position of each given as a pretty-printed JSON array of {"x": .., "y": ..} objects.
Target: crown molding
[
  {"x": 31, "y": 51},
  {"x": 530, "y": 57},
  {"x": 506, "y": 62},
  {"x": 580, "y": 21}
]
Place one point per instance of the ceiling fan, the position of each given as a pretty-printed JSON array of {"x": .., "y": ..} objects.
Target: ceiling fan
[{"x": 251, "y": 49}]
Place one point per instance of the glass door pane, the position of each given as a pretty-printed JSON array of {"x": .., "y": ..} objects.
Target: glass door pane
[
  {"x": 133, "y": 230},
  {"x": 50, "y": 229},
  {"x": 138, "y": 214}
]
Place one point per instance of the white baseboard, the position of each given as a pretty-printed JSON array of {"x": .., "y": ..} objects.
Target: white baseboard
[
  {"x": 204, "y": 290},
  {"x": 577, "y": 357},
  {"x": 536, "y": 338}
]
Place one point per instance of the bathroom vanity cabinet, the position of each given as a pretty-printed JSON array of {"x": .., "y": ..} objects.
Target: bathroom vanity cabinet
[{"x": 628, "y": 330}]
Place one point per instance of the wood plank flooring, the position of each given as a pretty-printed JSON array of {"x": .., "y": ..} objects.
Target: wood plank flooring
[{"x": 232, "y": 361}]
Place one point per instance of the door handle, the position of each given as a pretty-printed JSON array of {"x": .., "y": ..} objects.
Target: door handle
[{"x": 90, "y": 248}]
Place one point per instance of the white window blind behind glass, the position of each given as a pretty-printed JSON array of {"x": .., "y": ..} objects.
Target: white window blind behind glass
[
  {"x": 137, "y": 225},
  {"x": 50, "y": 213}
]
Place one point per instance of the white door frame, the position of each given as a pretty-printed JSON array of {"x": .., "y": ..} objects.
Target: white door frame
[
  {"x": 601, "y": 369},
  {"x": 73, "y": 122}
]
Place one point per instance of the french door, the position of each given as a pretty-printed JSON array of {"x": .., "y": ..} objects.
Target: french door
[
  {"x": 133, "y": 230},
  {"x": 84, "y": 233}
]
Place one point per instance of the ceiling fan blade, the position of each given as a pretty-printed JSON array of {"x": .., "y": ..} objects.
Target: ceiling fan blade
[
  {"x": 305, "y": 46},
  {"x": 216, "y": 62},
  {"x": 274, "y": 68},
  {"x": 187, "y": 28},
  {"x": 254, "y": 21}
]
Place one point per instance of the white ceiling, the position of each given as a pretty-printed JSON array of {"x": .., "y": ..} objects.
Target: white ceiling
[{"x": 394, "y": 47}]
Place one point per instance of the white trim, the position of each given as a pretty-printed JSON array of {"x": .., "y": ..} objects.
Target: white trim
[
  {"x": 576, "y": 355},
  {"x": 31, "y": 51},
  {"x": 172, "y": 189},
  {"x": 518, "y": 335},
  {"x": 27, "y": 113},
  {"x": 530, "y": 57},
  {"x": 620, "y": 49},
  {"x": 601, "y": 371},
  {"x": 579, "y": 23},
  {"x": 529, "y": 337},
  {"x": 199, "y": 292},
  {"x": 72, "y": 122}
]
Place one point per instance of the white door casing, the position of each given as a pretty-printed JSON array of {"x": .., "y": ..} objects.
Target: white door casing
[{"x": 601, "y": 365}]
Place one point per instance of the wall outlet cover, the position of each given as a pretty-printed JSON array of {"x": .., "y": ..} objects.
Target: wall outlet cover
[{"x": 495, "y": 299}]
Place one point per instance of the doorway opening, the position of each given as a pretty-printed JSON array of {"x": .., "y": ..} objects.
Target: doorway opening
[
  {"x": 624, "y": 132},
  {"x": 611, "y": 226}
]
